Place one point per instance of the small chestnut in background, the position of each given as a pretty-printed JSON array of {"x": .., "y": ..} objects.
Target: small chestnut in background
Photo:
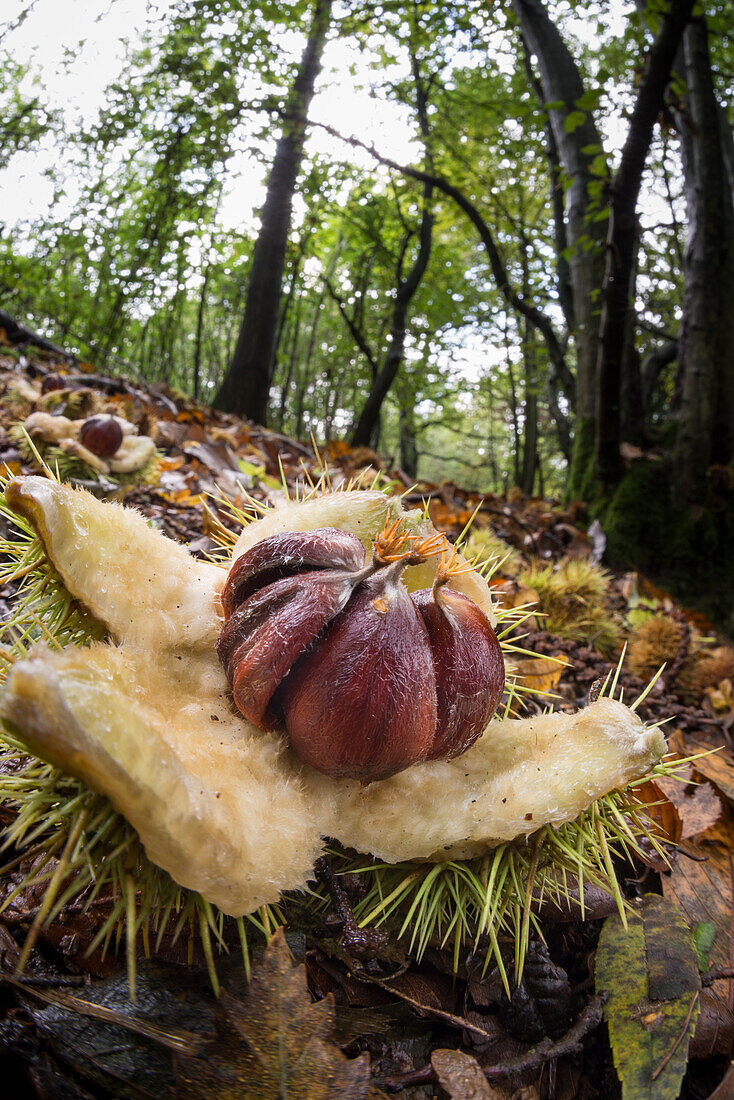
[
  {"x": 101, "y": 435},
  {"x": 51, "y": 382},
  {"x": 365, "y": 678}
]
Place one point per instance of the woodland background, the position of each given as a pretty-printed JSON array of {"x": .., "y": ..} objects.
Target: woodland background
[
  {"x": 531, "y": 288},
  {"x": 487, "y": 250}
]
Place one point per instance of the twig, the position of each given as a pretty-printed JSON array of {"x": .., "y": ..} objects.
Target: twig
[
  {"x": 402, "y": 1081},
  {"x": 448, "y": 1017},
  {"x": 570, "y": 1043},
  {"x": 544, "y": 1052},
  {"x": 681, "y": 1036},
  {"x": 363, "y": 943},
  {"x": 716, "y": 975}
]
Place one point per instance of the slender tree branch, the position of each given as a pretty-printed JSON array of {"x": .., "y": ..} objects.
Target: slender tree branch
[{"x": 540, "y": 320}]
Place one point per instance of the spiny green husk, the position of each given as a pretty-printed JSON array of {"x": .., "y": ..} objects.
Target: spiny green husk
[
  {"x": 67, "y": 467},
  {"x": 472, "y": 900},
  {"x": 572, "y": 596}
]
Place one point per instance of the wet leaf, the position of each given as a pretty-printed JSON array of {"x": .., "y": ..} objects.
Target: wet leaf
[
  {"x": 541, "y": 1003},
  {"x": 461, "y": 1076},
  {"x": 650, "y": 974},
  {"x": 702, "y": 889},
  {"x": 111, "y": 1043},
  {"x": 718, "y": 767},
  {"x": 703, "y": 938},
  {"x": 274, "y": 1043},
  {"x": 725, "y": 1089}
]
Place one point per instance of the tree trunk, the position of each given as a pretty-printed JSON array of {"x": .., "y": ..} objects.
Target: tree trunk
[
  {"x": 622, "y": 240},
  {"x": 530, "y": 430},
  {"x": 292, "y": 353},
  {"x": 199, "y": 331},
  {"x": 562, "y": 84},
  {"x": 366, "y": 426},
  {"x": 246, "y": 385},
  {"x": 406, "y": 427},
  {"x": 706, "y": 343},
  {"x": 673, "y": 518}
]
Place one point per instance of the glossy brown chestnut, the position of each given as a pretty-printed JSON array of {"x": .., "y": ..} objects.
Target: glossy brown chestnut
[
  {"x": 101, "y": 435},
  {"x": 364, "y": 678},
  {"x": 469, "y": 667},
  {"x": 51, "y": 382},
  {"x": 362, "y": 702}
]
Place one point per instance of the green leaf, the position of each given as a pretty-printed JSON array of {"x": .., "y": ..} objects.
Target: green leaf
[
  {"x": 589, "y": 100},
  {"x": 598, "y": 166},
  {"x": 703, "y": 939},
  {"x": 573, "y": 120},
  {"x": 650, "y": 976}
]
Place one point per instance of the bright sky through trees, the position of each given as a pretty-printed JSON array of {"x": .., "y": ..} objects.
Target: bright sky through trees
[{"x": 78, "y": 47}]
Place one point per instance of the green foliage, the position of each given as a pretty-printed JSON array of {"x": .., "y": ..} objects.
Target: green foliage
[
  {"x": 25, "y": 117},
  {"x": 140, "y": 263}
]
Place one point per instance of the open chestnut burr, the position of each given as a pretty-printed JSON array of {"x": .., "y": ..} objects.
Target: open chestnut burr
[{"x": 365, "y": 678}]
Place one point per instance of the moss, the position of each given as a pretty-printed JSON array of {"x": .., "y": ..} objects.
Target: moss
[
  {"x": 650, "y": 526},
  {"x": 582, "y": 482}
]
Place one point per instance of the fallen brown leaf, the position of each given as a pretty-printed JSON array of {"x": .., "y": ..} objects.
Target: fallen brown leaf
[
  {"x": 701, "y": 888},
  {"x": 461, "y": 1076},
  {"x": 274, "y": 1043},
  {"x": 698, "y": 806}
]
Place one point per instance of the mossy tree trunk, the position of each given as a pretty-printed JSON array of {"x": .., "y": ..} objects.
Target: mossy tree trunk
[
  {"x": 705, "y": 439},
  {"x": 674, "y": 517},
  {"x": 618, "y": 289},
  {"x": 576, "y": 143}
]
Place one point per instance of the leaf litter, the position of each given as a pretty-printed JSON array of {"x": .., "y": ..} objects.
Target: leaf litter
[{"x": 274, "y": 1028}]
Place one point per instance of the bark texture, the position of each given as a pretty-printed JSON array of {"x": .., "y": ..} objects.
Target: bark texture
[
  {"x": 563, "y": 88},
  {"x": 706, "y": 342},
  {"x": 623, "y": 239}
]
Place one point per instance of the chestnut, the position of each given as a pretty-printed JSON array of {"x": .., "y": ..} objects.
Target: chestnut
[
  {"x": 364, "y": 678},
  {"x": 102, "y": 435},
  {"x": 51, "y": 382}
]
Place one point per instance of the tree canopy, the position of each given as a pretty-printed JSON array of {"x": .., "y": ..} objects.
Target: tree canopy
[{"x": 529, "y": 290}]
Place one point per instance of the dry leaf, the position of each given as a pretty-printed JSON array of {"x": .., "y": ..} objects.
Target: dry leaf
[
  {"x": 702, "y": 889},
  {"x": 722, "y": 696},
  {"x": 540, "y": 674},
  {"x": 461, "y": 1076},
  {"x": 661, "y": 808},
  {"x": 698, "y": 806},
  {"x": 717, "y": 766},
  {"x": 274, "y": 1043}
]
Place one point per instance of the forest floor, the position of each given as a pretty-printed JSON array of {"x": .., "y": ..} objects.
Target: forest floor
[{"x": 430, "y": 1031}]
